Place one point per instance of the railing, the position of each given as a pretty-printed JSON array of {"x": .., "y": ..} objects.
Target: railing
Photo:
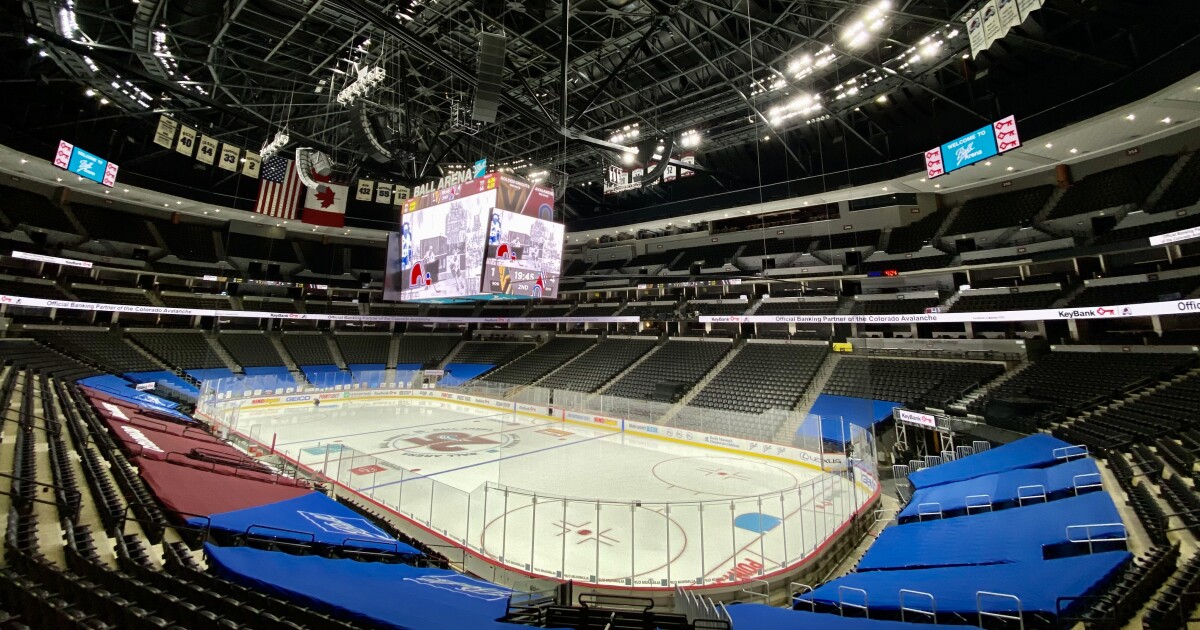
[{"x": 614, "y": 542}]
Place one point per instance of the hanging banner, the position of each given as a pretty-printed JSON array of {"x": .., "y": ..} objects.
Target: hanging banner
[
  {"x": 208, "y": 150},
  {"x": 187, "y": 141},
  {"x": 975, "y": 34},
  {"x": 229, "y": 157},
  {"x": 1028, "y": 6},
  {"x": 365, "y": 190},
  {"x": 383, "y": 193},
  {"x": 400, "y": 193},
  {"x": 991, "y": 23},
  {"x": 1010, "y": 15},
  {"x": 164, "y": 136},
  {"x": 251, "y": 164},
  {"x": 479, "y": 168}
]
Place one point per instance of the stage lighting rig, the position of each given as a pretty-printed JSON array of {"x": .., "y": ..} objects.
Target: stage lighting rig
[
  {"x": 369, "y": 78},
  {"x": 276, "y": 145}
]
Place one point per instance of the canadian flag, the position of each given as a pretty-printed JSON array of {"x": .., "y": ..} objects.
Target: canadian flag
[{"x": 325, "y": 204}]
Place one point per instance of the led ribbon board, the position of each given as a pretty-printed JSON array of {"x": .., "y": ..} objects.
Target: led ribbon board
[
  {"x": 84, "y": 164},
  {"x": 979, "y": 145}
]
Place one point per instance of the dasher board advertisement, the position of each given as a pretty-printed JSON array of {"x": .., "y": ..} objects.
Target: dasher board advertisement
[{"x": 524, "y": 256}]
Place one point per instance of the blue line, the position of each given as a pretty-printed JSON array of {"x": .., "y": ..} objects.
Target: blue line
[{"x": 490, "y": 461}]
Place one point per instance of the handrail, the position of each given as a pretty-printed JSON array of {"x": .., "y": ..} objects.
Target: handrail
[
  {"x": 797, "y": 595},
  {"x": 1019, "y": 617},
  {"x": 1076, "y": 486},
  {"x": 1022, "y": 496},
  {"x": 1087, "y": 528},
  {"x": 842, "y": 603},
  {"x": 978, "y": 506},
  {"x": 931, "y": 613}
]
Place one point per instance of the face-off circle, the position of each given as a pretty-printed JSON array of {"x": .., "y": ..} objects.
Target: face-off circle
[{"x": 724, "y": 476}]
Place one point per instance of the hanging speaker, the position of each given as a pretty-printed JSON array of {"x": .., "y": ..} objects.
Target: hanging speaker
[
  {"x": 366, "y": 136},
  {"x": 490, "y": 76}
]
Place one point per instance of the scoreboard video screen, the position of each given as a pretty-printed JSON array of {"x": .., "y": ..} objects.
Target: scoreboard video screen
[
  {"x": 440, "y": 250},
  {"x": 84, "y": 164},
  {"x": 524, "y": 256},
  {"x": 974, "y": 147}
]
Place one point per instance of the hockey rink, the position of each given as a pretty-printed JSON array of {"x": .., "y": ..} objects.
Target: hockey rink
[{"x": 565, "y": 500}]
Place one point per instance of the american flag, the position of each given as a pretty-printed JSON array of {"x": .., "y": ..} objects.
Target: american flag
[{"x": 280, "y": 189}]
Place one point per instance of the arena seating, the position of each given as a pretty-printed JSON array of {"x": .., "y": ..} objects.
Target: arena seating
[
  {"x": 320, "y": 258},
  {"x": 913, "y": 382},
  {"x": 196, "y": 301},
  {"x": 425, "y": 350},
  {"x": 979, "y": 301},
  {"x": 1150, "y": 416},
  {"x": 269, "y": 305},
  {"x": 907, "y": 264},
  {"x": 999, "y": 211},
  {"x": 796, "y": 307},
  {"x": 915, "y": 235},
  {"x": 722, "y": 307},
  {"x": 1146, "y": 230},
  {"x": 678, "y": 362},
  {"x": 184, "y": 349},
  {"x": 1077, "y": 381},
  {"x": 250, "y": 349},
  {"x": 596, "y": 310},
  {"x": 1136, "y": 291},
  {"x": 263, "y": 249},
  {"x": 897, "y": 306},
  {"x": 308, "y": 348},
  {"x": 1184, "y": 189},
  {"x": 1128, "y": 184},
  {"x": 492, "y": 352},
  {"x": 364, "y": 349},
  {"x": 541, "y": 361},
  {"x": 763, "y": 376},
  {"x": 101, "y": 347},
  {"x": 33, "y": 210},
  {"x": 334, "y": 308},
  {"x": 189, "y": 241},
  {"x": 848, "y": 240},
  {"x": 107, "y": 224},
  {"x": 111, "y": 295},
  {"x": 598, "y": 365}
]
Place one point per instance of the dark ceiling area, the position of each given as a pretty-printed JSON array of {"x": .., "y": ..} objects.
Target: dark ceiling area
[{"x": 785, "y": 98}]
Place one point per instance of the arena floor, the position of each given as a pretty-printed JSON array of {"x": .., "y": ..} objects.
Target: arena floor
[{"x": 567, "y": 500}]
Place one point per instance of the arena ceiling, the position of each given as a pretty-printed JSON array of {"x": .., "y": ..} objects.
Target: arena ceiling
[{"x": 861, "y": 106}]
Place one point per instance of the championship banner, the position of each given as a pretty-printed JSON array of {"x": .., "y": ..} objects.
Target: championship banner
[
  {"x": 1010, "y": 15},
  {"x": 1028, "y": 6},
  {"x": 975, "y": 34},
  {"x": 383, "y": 193},
  {"x": 365, "y": 190},
  {"x": 229, "y": 157},
  {"x": 991, "y": 23},
  {"x": 164, "y": 135},
  {"x": 251, "y": 164},
  {"x": 208, "y": 150},
  {"x": 187, "y": 141},
  {"x": 401, "y": 193}
]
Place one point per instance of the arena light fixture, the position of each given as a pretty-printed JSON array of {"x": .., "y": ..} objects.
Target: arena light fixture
[{"x": 366, "y": 80}]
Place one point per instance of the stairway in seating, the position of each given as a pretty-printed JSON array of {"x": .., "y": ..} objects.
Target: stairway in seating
[
  {"x": 1055, "y": 197},
  {"x": 735, "y": 348},
  {"x": 964, "y": 403},
  {"x": 1167, "y": 180},
  {"x": 599, "y": 340},
  {"x": 335, "y": 351},
  {"x": 450, "y": 357},
  {"x": 786, "y": 432},
  {"x": 287, "y": 358},
  {"x": 661, "y": 340},
  {"x": 221, "y": 352},
  {"x": 946, "y": 223}
]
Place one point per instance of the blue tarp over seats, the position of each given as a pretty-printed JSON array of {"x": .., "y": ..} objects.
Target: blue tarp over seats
[
  {"x": 325, "y": 375},
  {"x": 1035, "y": 451},
  {"x": 311, "y": 517},
  {"x": 459, "y": 373},
  {"x": 192, "y": 492},
  {"x": 210, "y": 374},
  {"x": 1001, "y": 490},
  {"x": 1037, "y": 584},
  {"x": 168, "y": 380},
  {"x": 372, "y": 593},
  {"x": 763, "y": 617},
  {"x": 832, "y": 410},
  {"x": 121, "y": 389},
  {"x": 1007, "y": 536}
]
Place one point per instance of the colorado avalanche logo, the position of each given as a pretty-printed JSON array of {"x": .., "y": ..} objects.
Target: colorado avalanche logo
[{"x": 419, "y": 277}]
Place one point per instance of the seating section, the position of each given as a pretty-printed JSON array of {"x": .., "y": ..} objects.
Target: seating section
[
  {"x": 251, "y": 349},
  {"x": 33, "y": 210},
  {"x": 1146, "y": 230},
  {"x": 894, "y": 307},
  {"x": 848, "y": 240},
  {"x": 197, "y": 301},
  {"x": 763, "y": 376},
  {"x": 907, "y": 264},
  {"x": 677, "y": 362},
  {"x": 426, "y": 350},
  {"x": 189, "y": 241},
  {"x": 1128, "y": 184},
  {"x": 1001, "y": 210},
  {"x": 269, "y": 305},
  {"x": 598, "y": 365},
  {"x": 308, "y": 349},
  {"x": 797, "y": 307},
  {"x": 724, "y": 307},
  {"x": 1184, "y": 190},
  {"x": 596, "y": 310},
  {"x": 912, "y": 382},
  {"x": 974, "y": 302},
  {"x": 912, "y": 237},
  {"x": 100, "y": 347},
  {"x": 331, "y": 308},
  {"x": 491, "y": 352},
  {"x": 184, "y": 349},
  {"x": 262, "y": 249},
  {"x": 1076, "y": 381},
  {"x": 1149, "y": 419},
  {"x": 112, "y": 225},
  {"x": 109, "y": 295},
  {"x": 365, "y": 349},
  {"x": 1136, "y": 292},
  {"x": 540, "y": 362}
]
